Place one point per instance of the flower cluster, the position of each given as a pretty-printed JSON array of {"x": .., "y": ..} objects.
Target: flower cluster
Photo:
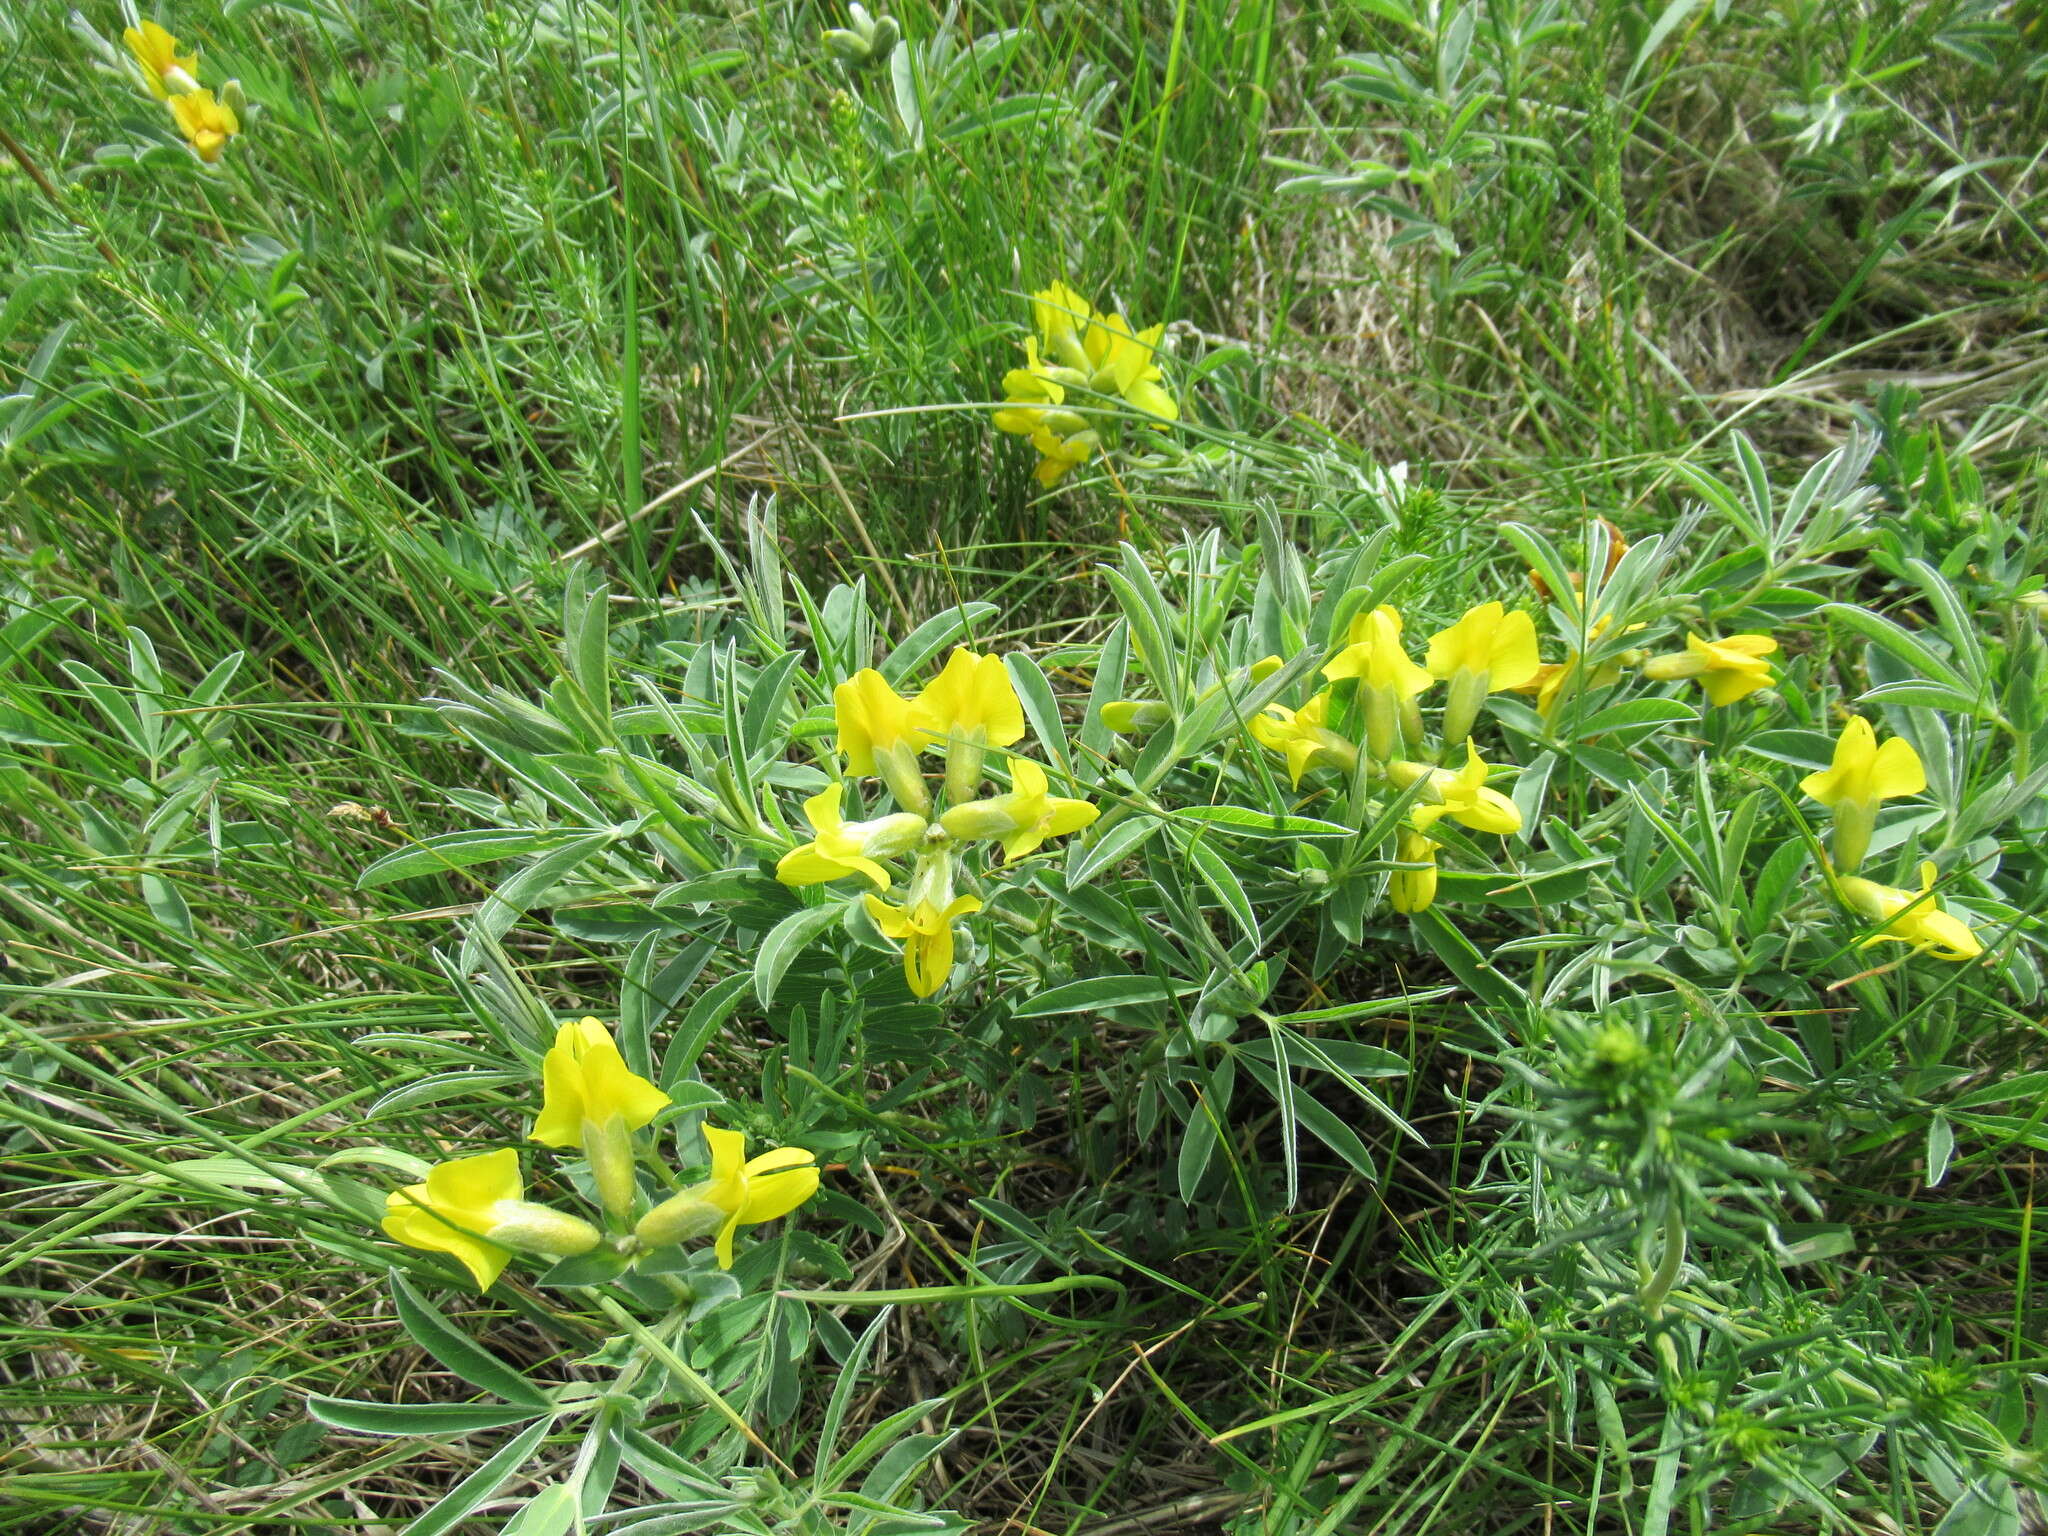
[
  {"x": 1080, "y": 370},
  {"x": 968, "y": 709},
  {"x": 475, "y": 1208},
  {"x": 206, "y": 121},
  {"x": 1369, "y": 718}
]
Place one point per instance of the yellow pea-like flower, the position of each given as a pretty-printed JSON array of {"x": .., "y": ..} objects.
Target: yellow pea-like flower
[
  {"x": 924, "y": 923},
  {"x": 1412, "y": 890},
  {"x": 1303, "y": 737},
  {"x": 1463, "y": 796},
  {"x": 1862, "y": 776},
  {"x": 1729, "y": 669},
  {"x": 1388, "y": 680},
  {"x": 164, "y": 70},
  {"x": 1061, "y": 316},
  {"x": 969, "y": 707},
  {"x": 1911, "y": 917},
  {"x": 843, "y": 848},
  {"x": 475, "y": 1209},
  {"x": 206, "y": 123},
  {"x": 741, "y": 1192},
  {"x": 880, "y": 735},
  {"x": 1487, "y": 650},
  {"x": 594, "y": 1101},
  {"x": 1024, "y": 818}
]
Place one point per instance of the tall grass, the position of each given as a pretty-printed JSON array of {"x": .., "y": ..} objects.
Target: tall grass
[{"x": 484, "y": 295}]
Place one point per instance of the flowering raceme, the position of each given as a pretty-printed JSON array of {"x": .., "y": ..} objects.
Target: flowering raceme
[
  {"x": 164, "y": 70},
  {"x": 879, "y": 734},
  {"x": 1022, "y": 819},
  {"x": 844, "y": 848},
  {"x": 969, "y": 707},
  {"x": 1488, "y": 649},
  {"x": 1462, "y": 796},
  {"x": 1080, "y": 361},
  {"x": 1303, "y": 736},
  {"x": 1388, "y": 682},
  {"x": 206, "y": 123}
]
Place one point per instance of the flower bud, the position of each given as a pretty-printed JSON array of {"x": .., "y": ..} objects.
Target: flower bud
[
  {"x": 681, "y": 1218},
  {"x": 532, "y": 1228}
]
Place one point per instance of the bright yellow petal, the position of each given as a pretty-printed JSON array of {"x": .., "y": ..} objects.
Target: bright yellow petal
[
  {"x": 610, "y": 1087},
  {"x": 411, "y": 1223},
  {"x": 893, "y": 921},
  {"x": 1726, "y": 687},
  {"x": 560, "y": 1122},
  {"x": 928, "y": 960},
  {"x": 777, "y": 1183},
  {"x": 728, "y": 1151},
  {"x": 1895, "y": 770},
  {"x": 725, "y": 1236},
  {"x": 1513, "y": 658},
  {"x": 1069, "y": 816}
]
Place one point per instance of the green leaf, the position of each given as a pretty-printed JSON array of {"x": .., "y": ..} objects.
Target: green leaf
[
  {"x": 456, "y": 850},
  {"x": 932, "y": 636},
  {"x": 366, "y": 1418},
  {"x": 458, "y": 1351},
  {"x": 1250, "y": 823},
  {"x": 786, "y": 940},
  {"x": 506, "y": 905},
  {"x": 1217, "y": 874},
  {"x": 1110, "y": 849},
  {"x": 463, "y": 1499},
  {"x": 548, "y": 1513},
  {"x": 1041, "y": 708},
  {"x": 1099, "y": 992}
]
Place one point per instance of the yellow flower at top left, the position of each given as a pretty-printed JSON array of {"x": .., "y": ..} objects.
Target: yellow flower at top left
[{"x": 164, "y": 70}]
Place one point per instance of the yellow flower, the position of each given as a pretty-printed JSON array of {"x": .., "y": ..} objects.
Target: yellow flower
[
  {"x": 879, "y": 736},
  {"x": 1057, "y": 455},
  {"x": 206, "y": 123},
  {"x": 1303, "y": 736},
  {"x": 741, "y": 1192},
  {"x": 1061, "y": 315},
  {"x": 592, "y": 1099},
  {"x": 968, "y": 708},
  {"x": 924, "y": 923},
  {"x": 1388, "y": 680},
  {"x": 1034, "y": 394},
  {"x": 1729, "y": 669},
  {"x": 1462, "y": 796},
  {"x": 1862, "y": 776},
  {"x": 1023, "y": 818},
  {"x": 164, "y": 71},
  {"x": 1122, "y": 365},
  {"x": 1911, "y": 917},
  {"x": 1488, "y": 649},
  {"x": 843, "y": 847},
  {"x": 475, "y": 1209},
  {"x": 1412, "y": 890}
]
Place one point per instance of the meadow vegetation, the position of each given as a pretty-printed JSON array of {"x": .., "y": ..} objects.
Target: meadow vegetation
[{"x": 1084, "y": 768}]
